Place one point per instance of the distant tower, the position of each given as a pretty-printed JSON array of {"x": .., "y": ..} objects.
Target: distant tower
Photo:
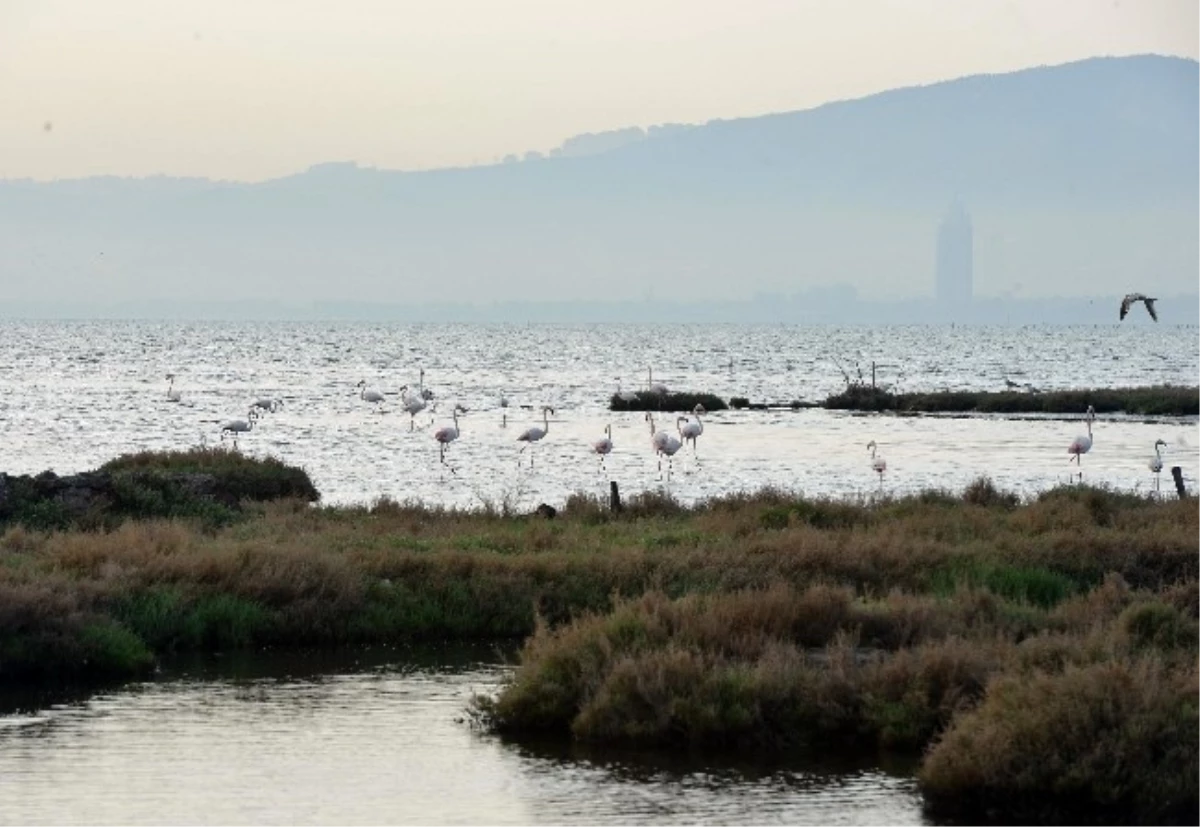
[{"x": 955, "y": 257}]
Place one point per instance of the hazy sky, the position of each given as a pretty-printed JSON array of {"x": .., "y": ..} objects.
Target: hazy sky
[{"x": 253, "y": 89}]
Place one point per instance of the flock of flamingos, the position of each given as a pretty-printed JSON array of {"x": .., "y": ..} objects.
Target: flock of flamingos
[{"x": 664, "y": 443}]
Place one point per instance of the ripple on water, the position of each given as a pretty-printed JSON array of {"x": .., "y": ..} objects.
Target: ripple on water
[
  {"x": 70, "y": 415},
  {"x": 272, "y": 741}
]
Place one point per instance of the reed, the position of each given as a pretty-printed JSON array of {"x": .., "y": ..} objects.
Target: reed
[
  {"x": 1157, "y": 400},
  {"x": 681, "y": 402}
]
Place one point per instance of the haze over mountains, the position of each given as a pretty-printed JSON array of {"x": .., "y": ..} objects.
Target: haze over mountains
[{"x": 1081, "y": 180}]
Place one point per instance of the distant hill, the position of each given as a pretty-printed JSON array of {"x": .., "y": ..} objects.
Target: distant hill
[{"x": 1081, "y": 180}]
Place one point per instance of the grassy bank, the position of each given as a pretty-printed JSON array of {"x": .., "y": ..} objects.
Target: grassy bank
[
  {"x": 206, "y": 485},
  {"x": 682, "y": 402},
  {"x": 1159, "y": 400},
  {"x": 763, "y": 621}
]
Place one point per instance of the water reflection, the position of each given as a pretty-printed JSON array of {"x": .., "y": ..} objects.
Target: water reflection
[{"x": 378, "y": 736}]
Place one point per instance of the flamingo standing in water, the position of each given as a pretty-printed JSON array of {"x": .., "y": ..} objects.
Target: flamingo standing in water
[
  {"x": 625, "y": 396},
  {"x": 878, "y": 463},
  {"x": 447, "y": 434},
  {"x": 655, "y": 387},
  {"x": 267, "y": 404},
  {"x": 664, "y": 445},
  {"x": 603, "y": 446},
  {"x": 534, "y": 434},
  {"x": 370, "y": 395},
  {"x": 1156, "y": 463},
  {"x": 1080, "y": 445},
  {"x": 413, "y": 404},
  {"x": 691, "y": 429},
  {"x": 233, "y": 427},
  {"x": 172, "y": 394}
]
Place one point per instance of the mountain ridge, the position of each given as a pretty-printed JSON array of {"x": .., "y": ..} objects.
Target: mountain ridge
[{"x": 1081, "y": 177}]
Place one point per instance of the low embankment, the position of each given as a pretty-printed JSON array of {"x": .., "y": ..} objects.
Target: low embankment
[
  {"x": 1159, "y": 400},
  {"x": 682, "y": 402},
  {"x": 1005, "y": 640}
]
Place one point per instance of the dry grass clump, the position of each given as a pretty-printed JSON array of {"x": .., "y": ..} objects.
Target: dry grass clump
[
  {"x": 1113, "y": 742},
  {"x": 783, "y": 668},
  {"x": 775, "y": 668}
]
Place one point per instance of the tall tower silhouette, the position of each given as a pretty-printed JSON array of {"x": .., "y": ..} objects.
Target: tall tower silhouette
[{"x": 955, "y": 257}]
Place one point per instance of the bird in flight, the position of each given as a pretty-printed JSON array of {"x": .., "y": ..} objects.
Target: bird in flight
[{"x": 1128, "y": 301}]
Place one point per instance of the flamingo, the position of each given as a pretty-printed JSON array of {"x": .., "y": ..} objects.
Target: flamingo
[
  {"x": 172, "y": 394},
  {"x": 370, "y": 394},
  {"x": 655, "y": 387},
  {"x": 267, "y": 404},
  {"x": 1131, "y": 298},
  {"x": 447, "y": 434},
  {"x": 423, "y": 391},
  {"x": 1156, "y": 463},
  {"x": 233, "y": 427},
  {"x": 664, "y": 445},
  {"x": 691, "y": 429},
  {"x": 878, "y": 463},
  {"x": 504, "y": 411},
  {"x": 603, "y": 446},
  {"x": 534, "y": 434},
  {"x": 625, "y": 396},
  {"x": 1080, "y": 445},
  {"x": 413, "y": 403}
]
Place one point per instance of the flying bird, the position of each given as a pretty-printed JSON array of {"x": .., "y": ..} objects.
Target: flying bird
[{"x": 1129, "y": 300}]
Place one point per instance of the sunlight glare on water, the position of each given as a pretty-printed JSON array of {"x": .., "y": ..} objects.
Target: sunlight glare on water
[{"x": 74, "y": 395}]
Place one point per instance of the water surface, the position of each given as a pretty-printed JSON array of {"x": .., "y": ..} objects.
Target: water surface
[
  {"x": 374, "y": 737},
  {"x": 73, "y": 395}
]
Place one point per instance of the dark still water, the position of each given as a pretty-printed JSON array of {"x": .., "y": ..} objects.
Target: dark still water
[{"x": 377, "y": 737}]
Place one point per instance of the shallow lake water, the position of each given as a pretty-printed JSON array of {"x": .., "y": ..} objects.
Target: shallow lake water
[
  {"x": 73, "y": 395},
  {"x": 380, "y": 736}
]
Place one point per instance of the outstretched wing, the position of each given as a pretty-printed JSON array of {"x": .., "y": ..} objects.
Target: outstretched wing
[
  {"x": 1150, "y": 308},
  {"x": 1126, "y": 303}
]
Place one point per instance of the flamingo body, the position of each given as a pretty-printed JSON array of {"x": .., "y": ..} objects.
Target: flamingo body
[
  {"x": 447, "y": 434},
  {"x": 878, "y": 463},
  {"x": 534, "y": 434}
]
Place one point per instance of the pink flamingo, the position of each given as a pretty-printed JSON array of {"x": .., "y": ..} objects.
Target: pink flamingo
[
  {"x": 603, "y": 446},
  {"x": 447, "y": 434},
  {"x": 1080, "y": 445}
]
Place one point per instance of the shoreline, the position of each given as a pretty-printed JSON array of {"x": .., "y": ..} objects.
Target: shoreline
[{"x": 756, "y": 622}]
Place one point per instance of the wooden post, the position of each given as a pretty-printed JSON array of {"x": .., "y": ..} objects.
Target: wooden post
[
  {"x": 1177, "y": 473},
  {"x": 872, "y": 374},
  {"x": 614, "y": 496}
]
